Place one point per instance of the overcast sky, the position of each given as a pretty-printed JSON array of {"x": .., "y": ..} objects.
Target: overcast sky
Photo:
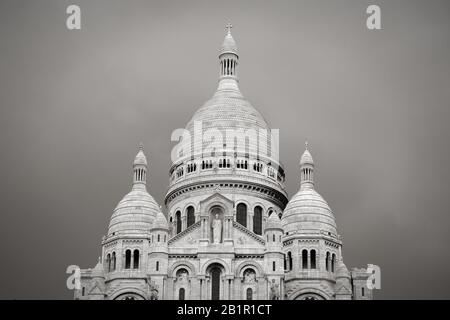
[{"x": 373, "y": 105}]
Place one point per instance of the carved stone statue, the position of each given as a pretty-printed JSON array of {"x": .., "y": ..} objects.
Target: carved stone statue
[
  {"x": 217, "y": 229},
  {"x": 249, "y": 276},
  {"x": 274, "y": 292},
  {"x": 153, "y": 288},
  {"x": 182, "y": 275}
]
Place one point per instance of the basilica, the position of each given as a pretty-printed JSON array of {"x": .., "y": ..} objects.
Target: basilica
[{"x": 227, "y": 229}]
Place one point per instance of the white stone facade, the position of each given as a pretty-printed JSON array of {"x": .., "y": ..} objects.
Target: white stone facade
[{"x": 229, "y": 231}]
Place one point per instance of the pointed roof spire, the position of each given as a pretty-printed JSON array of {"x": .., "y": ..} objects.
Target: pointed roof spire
[
  {"x": 306, "y": 169},
  {"x": 140, "y": 168},
  {"x": 306, "y": 157},
  {"x": 140, "y": 158},
  {"x": 229, "y": 45}
]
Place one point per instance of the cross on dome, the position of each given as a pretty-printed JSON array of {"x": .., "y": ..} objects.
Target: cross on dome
[{"x": 228, "y": 27}]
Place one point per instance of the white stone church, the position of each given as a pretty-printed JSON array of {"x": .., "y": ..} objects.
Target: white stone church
[{"x": 230, "y": 231}]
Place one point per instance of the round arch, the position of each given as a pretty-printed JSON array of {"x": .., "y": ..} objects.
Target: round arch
[
  {"x": 128, "y": 291},
  {"x": 244, "y": 201},
  {"x": 182, "y": 264},
  {"x": 259, "y": 204},
  {"x": 216, "y": 261},
  {"x": 190, "y": 204},
  {"x": 309, "y": 292},
  {"x": 249, "y": 264}
]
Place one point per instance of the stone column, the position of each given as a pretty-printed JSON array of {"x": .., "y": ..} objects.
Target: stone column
[
  {"x": 183, "y": 221},
  {"x": 296, "y": 260},
  {"x": 261, "y": 285}
]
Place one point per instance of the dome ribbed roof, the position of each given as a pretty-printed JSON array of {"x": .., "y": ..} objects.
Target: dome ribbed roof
[
  {"x": 160, "y": 222},
  {"x": 98, "y": 269},
  {"x": 135, "y": 213},
  {"x": 308, "y": 212},
  {"x": 341, "y": 270},
  {"x": 273, "y": 222},
  {"x": 228, "y": 110}
]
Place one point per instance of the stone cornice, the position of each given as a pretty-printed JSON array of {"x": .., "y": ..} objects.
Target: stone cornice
[{"x": 253, "y": 188}]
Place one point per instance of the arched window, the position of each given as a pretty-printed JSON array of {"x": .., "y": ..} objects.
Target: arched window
[
  {"x": 257, "y": 220},
  {"x": 274, "y": 266},
  {"x": 157, "y": 265},
  {"x": 241, "y": 215},
  {"x": 113, "y": 261},
  {"x": 289, "y": 261},
  {"x": 128, "y": 259},
  {"x": 250, "y": 294},
  {"x": 159, "y": 237},
  {"x": 108, "y": 262},
  {"x": 313, "y": 259},
  {"x": 215, "y": 283},
  {"x": 273, "y": 238},
  {"x": 362, "y": 291},
  {"x": 136, "y": 259},
  {"x": 285, "y": 264},
  {"x": 305, "y": 259},
  {"x": 333, "y": 259},
  {"x": 327, "y": 262},
  {"x": 178, "y": 218},
  {"x": 181, "y": 294},
  {"x": 190, "y": 216}
]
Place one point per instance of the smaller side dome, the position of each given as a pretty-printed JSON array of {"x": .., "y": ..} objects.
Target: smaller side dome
[
  {"x": 97, "y": 272},
  {"x": 274, "y": 222},
  {"x": 160, "y": 222},
  {"x": 341, "y": 270}
]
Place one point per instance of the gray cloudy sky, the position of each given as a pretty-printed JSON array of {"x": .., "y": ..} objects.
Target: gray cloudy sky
[{"x": 374, "y": 106}]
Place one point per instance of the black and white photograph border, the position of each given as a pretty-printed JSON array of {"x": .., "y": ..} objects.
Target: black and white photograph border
[{"x": 224, "y": 150}]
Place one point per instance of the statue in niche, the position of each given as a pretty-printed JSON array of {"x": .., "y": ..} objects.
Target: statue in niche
[
  {"x": 274, "y": 292},
  {"x": 217, "y": 229},
  {"x": 154, "y": 294},
  {"x": 182, "y": 275},
  {"x": 153, "y": 288},
  {"x": 249, "y": 276}
]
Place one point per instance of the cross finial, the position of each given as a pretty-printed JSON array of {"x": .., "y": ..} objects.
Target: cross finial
[
  {"x": 141, "y": 146},
  {"x": 306, "y": 145},
  {"x": 229, "y": 26}
]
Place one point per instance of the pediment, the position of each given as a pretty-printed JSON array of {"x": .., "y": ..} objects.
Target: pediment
[
  {"x": 187, "y": 238},
  {"x": 244, "y": 237},
  {"x": 343, "y": 290},
  {"x": 96, "y": 289},
  {"x": 219, "y": 200}
]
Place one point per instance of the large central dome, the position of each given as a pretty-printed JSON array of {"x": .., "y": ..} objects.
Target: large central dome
[{"x": 227, "y": 139}]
